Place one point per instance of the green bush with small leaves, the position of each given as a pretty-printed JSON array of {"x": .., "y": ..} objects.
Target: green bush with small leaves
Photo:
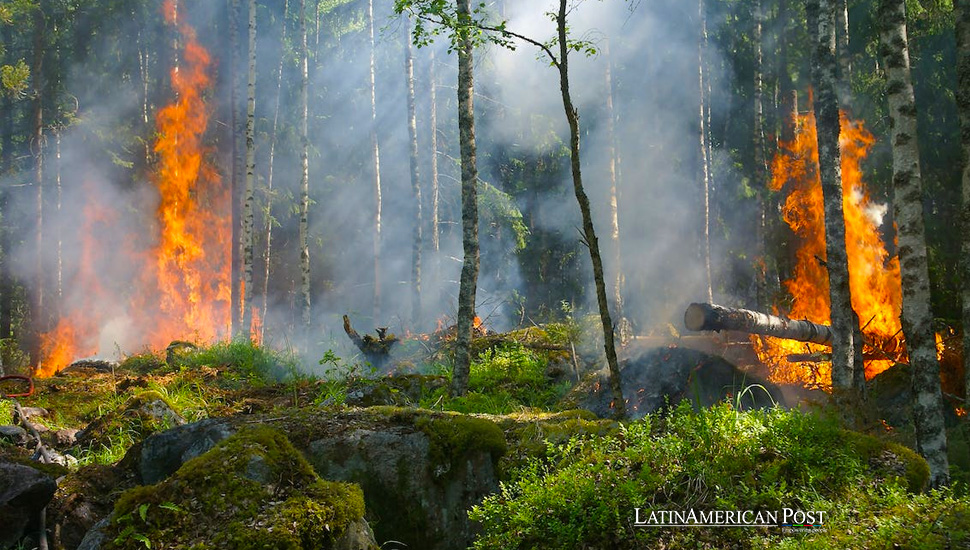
[{"x": 584, "y": 493}]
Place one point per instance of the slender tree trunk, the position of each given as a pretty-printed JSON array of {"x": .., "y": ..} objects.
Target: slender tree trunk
[
  {"x": 38, "y": 314},
  {"x": 145, "y": 76},
  {"x": 246, "y": 243},
  {"x": 962, "y": 16},
  {"x": 59, "y": 275},
  {"x": 235, "y": 305},
  {"x": 830, "y": 172},
  {"x": 376, "y": 160},
  {"x": 760, "y": 163},
  {"x": 268, "y": 229},
  {"x": 415, "y": 181},
  {"x": 614, "y": 194},
  {"x": 572, "y": 117},
  {"x": 845, "y": 60},
  {"x": 917, "y": 317},
  {"x": 6, "y": 280},
  {"x": 304, "y": 178},
  {"x": 433, "y": 98},
  {"x": 468, "y": 285},
  {"x": 705, "y": 161}
]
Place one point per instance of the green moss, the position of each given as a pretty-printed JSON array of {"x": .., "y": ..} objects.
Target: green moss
[
  {"x": 452, "y": 436},
  {"x": 886, "y": 458},
  {"x": 253, "y": 490}
]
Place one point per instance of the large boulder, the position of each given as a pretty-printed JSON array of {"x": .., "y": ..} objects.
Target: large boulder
[
  {"x": 161, "y": 454},
  {"x": 420, "y": 471},
  {"x": 24, "y": 492},
  {"x": 252, "y": 490},
  {"x": 663, "y": 377}
]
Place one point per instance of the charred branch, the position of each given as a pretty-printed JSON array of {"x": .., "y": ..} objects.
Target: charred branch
[{"x": 375, "y": 349}]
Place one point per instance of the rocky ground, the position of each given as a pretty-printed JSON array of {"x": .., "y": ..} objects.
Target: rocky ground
[{"x": 210, "y": 451}]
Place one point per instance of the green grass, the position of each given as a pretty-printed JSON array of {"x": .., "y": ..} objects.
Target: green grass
[
  {"x": 503, "y": 379},
  {"x": 246, "y": 361}
]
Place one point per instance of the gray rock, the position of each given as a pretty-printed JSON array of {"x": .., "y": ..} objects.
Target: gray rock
[
  {"x": 24, "y": 492},
  {"x": 663, "y": 377},
  {"x": 410, "y": 498},
  {"x": 163, "y": 453},
  {"x": 161, "y": 412},
  {"x": 94, "y": 538},
  {"x": 358, "y": 536},
  {"x": 66, "y": 437},
  {"x": 14, "y": 435},
  {"x": 31, "y": 412}
]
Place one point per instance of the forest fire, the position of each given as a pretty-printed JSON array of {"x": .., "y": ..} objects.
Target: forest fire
[
  {"x": 874, "y": 277},
  {"x": 191, "y": 268},
  {"x": 182, "y": 291}
]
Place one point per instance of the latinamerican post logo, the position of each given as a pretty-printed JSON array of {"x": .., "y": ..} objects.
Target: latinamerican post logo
[{"x": 787, "y": 519}]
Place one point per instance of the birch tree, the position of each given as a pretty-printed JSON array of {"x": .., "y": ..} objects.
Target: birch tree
[
  {"x": 917, "y": 317},
  {"x": 375, "y": 163},
  {"x": 304, "y": 177},
  {"x": 246, "y": 242},
  {"x": 830, "y": 173},
  {"x": 415, "y": 181},
  {"x": 274, "y": 137}
]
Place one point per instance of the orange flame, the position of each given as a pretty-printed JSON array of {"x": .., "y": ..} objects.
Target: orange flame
[
  {"x": 476, "y": 322},
  {"x": 874, "y": 278},
  {"x": 183, "y": 292}
]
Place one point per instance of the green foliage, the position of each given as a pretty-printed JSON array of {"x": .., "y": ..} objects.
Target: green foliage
[
  {"x": 433, "y": 18},
  {"x": 585, "y": 492},
  {"x": 14, "y": 78},
  {"x": 503, "y": 379},
  {"x": 247, "y": 361},
  {"x": 499, "y": 208}
]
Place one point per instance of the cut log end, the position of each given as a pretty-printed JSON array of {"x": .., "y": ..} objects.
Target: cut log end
[{"x": 696, "y": 316}]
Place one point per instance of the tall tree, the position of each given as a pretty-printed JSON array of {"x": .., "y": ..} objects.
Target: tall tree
[
  {"x": 415, "y": 181},
  {"x": 304, "y": 178},
  {"x": 38, "y": 315},
  {"x": 705, "y": 164},
  {"x": 614, "y": 193},
  {"x": 917, "y": 317},
  {"x": 589, "y": 232},
  {"x": 845, "y": 60},
  {"x": 760, "y": 157},
  {"x": 830, "y": 172},
  {"x": 962, "y": 13},
  {"x": 246, "y": 242},
  {"x": 274, "y": 137},
  {"x": 433, "y": 123},
  {"x": 468, "y": 284},
  {"x": 375, "y": 163},
  {"x": 236, "y": 169}
]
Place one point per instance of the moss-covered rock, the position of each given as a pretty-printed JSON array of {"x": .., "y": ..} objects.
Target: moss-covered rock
[{"x": 252, "y": 490}]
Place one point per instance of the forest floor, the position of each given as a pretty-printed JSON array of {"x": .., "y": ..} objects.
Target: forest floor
[{"x": 561, "y": 479}]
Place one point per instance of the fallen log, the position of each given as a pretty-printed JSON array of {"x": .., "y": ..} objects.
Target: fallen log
[{"x": 717, "y": 318}]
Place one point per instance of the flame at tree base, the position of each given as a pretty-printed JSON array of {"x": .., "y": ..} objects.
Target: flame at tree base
[
  {"x": 182, "y": 289},
  {"x": 874, "y": 278}
]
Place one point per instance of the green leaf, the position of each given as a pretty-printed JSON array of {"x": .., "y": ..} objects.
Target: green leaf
[
  {"x": 143, "y": 512},
  {"x": 142, "y": 539}
]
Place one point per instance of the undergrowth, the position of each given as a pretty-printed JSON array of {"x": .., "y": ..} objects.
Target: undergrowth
[
  {"x": 586, "y": 491},
  {"x": 503, "y": 379}
]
